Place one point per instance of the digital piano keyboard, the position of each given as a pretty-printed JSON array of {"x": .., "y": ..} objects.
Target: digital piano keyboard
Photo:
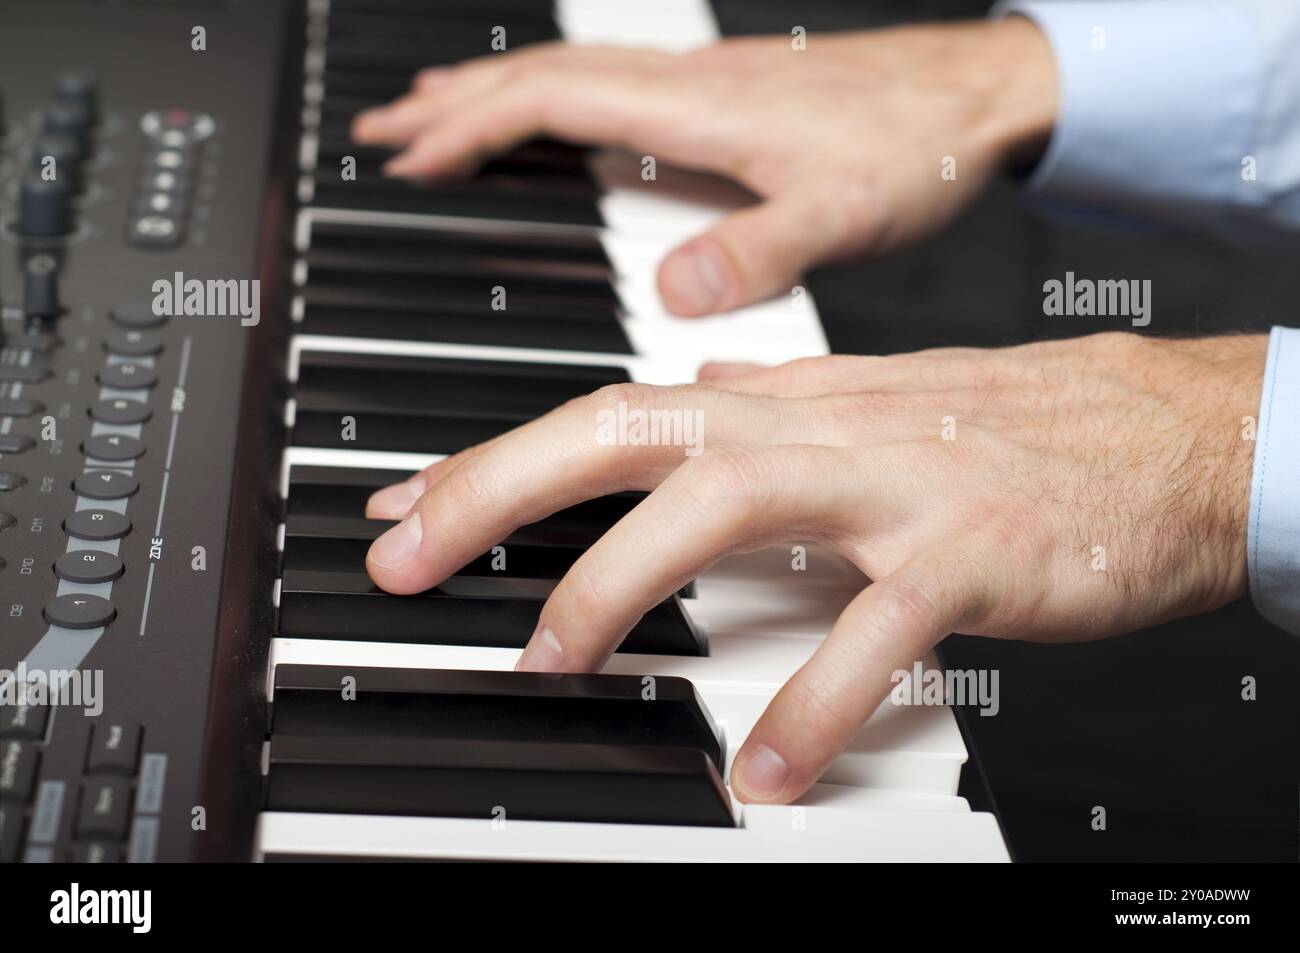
[{"x": 182, "y": 478}]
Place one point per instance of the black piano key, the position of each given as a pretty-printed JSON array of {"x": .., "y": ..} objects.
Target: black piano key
[
  {"x": 402, "y": 299},
  {"x": 327, "y": 313},
  {"x": 572, "y": 177},
  {"x": 424, "y": 404},
  {"x": 546, "y": 781},
  {"x": 464, "y": 610},
  {"x": 343, "y": 491},
  {"x": 326, "y": 531},
  {"x": 428, "y": 42},
  {"x": 403, "y": 383},
  {"x": 553, "y": 377},
  {"x": 339, "y": 544},
  {"x": 492, "y": 706},
  {"x": 475, "y": 198},
  {"x": 551, "y": 247},
  {"x": 444, "y": 9},
  {"x": 426, "y": 432},
  {"x": 513, "y": 179},
  {"x": 468, "y": 285},
  {"x": 538, "y": 157},
  {"x": 375, "y": 88},
  {"x": 469, "y": 299}
]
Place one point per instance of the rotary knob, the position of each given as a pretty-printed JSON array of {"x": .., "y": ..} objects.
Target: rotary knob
[
  {"x": 70, "y": 117},
  {"x": 41, "y": 290},
  {"x": 59, "y": 155},
  {"x": 82, "y": 87},
  {"x": 44, "y": 206}
]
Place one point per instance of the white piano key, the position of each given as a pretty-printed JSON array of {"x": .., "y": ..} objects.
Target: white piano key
[
  {"x": 878, "y": 799},
  {"x": 363, "y": 459},
  {"x": 768, "y": 834},
  {"x": 665, "y": 24},
  {"x": 915, "y": 749}
]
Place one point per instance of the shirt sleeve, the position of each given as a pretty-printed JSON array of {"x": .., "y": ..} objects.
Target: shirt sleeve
[
  {"x": 1273, "y": 529},
  {"x": 1186, "y": 109}
]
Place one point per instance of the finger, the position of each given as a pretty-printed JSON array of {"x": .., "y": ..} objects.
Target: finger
[
  {"x": 804, "y": 377},
  {"x": 401, "y": 121},
  {"x": 512, "y": 114},
  {"x": 395, "y": 501},
  {"x": 725, "y": 500},
  {"x": 750, "y": 255},
  {"x": 575, "y": 453},
  {"x": 886, "y": 628},
  {"x": 933, "y": 372},
  {"x": 631, "y": 107},
  {"x": 438, "y": 91}
]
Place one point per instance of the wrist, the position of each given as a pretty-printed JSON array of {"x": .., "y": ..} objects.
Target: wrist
[
  {"x": 1226, "y": 404},
  {"x": 1025, "y": 96}
]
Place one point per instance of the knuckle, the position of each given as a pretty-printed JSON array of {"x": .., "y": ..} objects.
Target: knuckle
[
  {"x": 466, "y": 487},
  {"x": 730, "y": 473},
  {"x": 908, "y": 610},
  {"x": 581, "y": 593},
  {"x": 612, "y": 398}
]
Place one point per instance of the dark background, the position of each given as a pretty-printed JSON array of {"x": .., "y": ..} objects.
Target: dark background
[{"x": 1150, "y": 725}]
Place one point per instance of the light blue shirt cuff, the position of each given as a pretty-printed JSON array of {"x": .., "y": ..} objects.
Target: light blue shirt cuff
[
  {"x": 1158, "y": 102},
  {"x": 1273, "y": 531}
]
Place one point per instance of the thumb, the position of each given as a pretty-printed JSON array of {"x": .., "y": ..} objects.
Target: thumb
[{"x": 750, "y": 255}]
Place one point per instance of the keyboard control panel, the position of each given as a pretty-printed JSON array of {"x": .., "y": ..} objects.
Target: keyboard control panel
[{"x": 124, "y": 169}]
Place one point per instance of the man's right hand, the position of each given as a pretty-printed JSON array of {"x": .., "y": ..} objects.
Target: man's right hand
[{"x": 847, "y": 141}]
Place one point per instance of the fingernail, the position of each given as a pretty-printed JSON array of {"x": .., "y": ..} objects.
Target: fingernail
[
  {"x": 396, "y": 501},
  {"x": 763, "y": 774},
  {"x": 544, "y": 653},
  {"x": 398, "y": 545},
  {"x": 692, "y": 279}
]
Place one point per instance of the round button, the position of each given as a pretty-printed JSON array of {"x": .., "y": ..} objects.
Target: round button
[
  {"x": 127, "y": 375},
  {"x": 112, "y": 446},
  {"x": 77, "y": 610},
  {"x": 120, "y": 410},
  {"x": 7, "y": 521},
  {"x": 165, "y": 182},
  {"x": 170, "y": 159},
  {"x": 10, "y": 480},
  {"x": 136, "y": 315},
  {"x": 88, "y": 566},
  {"x": 158, "y": 203},
  {"x": 105, "y": 485},
  {"x": 133, "y": 342},
  {"x": 96, "y": 524}
]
